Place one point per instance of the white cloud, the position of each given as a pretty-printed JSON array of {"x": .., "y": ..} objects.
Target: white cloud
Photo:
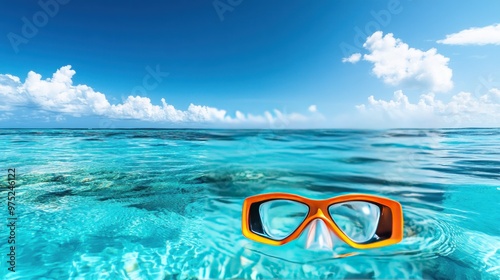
[
  {"x": 352, "y": 59},
  {"x": 398, "y": 64},
  {"x": 475, "y": 36},
  {"x": 463, "y": 110},
  {"x": 59, "y": 95},
  {"x": 313, "y": 108},
  {"x": 10, "y": 95}
]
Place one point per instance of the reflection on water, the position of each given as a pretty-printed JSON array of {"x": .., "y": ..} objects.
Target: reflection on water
[{"x": 166, "y": 204}]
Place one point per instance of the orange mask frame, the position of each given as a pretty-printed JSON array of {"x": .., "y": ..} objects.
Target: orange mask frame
[{"x": 391, "y": 214}]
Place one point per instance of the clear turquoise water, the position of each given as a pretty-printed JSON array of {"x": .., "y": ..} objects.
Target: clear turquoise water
[{"x": 166, "y": 204}]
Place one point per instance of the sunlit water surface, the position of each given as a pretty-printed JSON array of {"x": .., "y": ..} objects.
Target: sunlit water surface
[{"x": 166, "y": 204}]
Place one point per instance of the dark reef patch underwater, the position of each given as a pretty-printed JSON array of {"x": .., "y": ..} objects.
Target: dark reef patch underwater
[{"x": 166, "y": 204}]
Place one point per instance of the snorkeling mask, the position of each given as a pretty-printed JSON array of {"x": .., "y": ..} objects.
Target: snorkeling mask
[{"x": 362, "y": 221}]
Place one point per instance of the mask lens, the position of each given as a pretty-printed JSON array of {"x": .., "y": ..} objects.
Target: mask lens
[
  {"x": 357, "y": 219},
  {"x": 280, "y": 218}
]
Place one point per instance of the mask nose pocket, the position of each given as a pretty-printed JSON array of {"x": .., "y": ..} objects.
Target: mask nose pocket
[{"x": 318, "y": 237}]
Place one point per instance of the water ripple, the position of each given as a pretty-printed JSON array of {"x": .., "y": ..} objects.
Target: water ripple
[{"x": 166, "y": 204}]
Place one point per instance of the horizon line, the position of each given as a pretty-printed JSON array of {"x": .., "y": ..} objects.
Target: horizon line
[{"x": 200, "y": 128}]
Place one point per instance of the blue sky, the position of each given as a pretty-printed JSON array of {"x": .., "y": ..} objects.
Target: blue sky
[{"x": 252, "y": 57}]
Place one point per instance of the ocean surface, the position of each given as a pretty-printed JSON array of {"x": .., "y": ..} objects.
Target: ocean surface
[{"x": 166, "y": 204}]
